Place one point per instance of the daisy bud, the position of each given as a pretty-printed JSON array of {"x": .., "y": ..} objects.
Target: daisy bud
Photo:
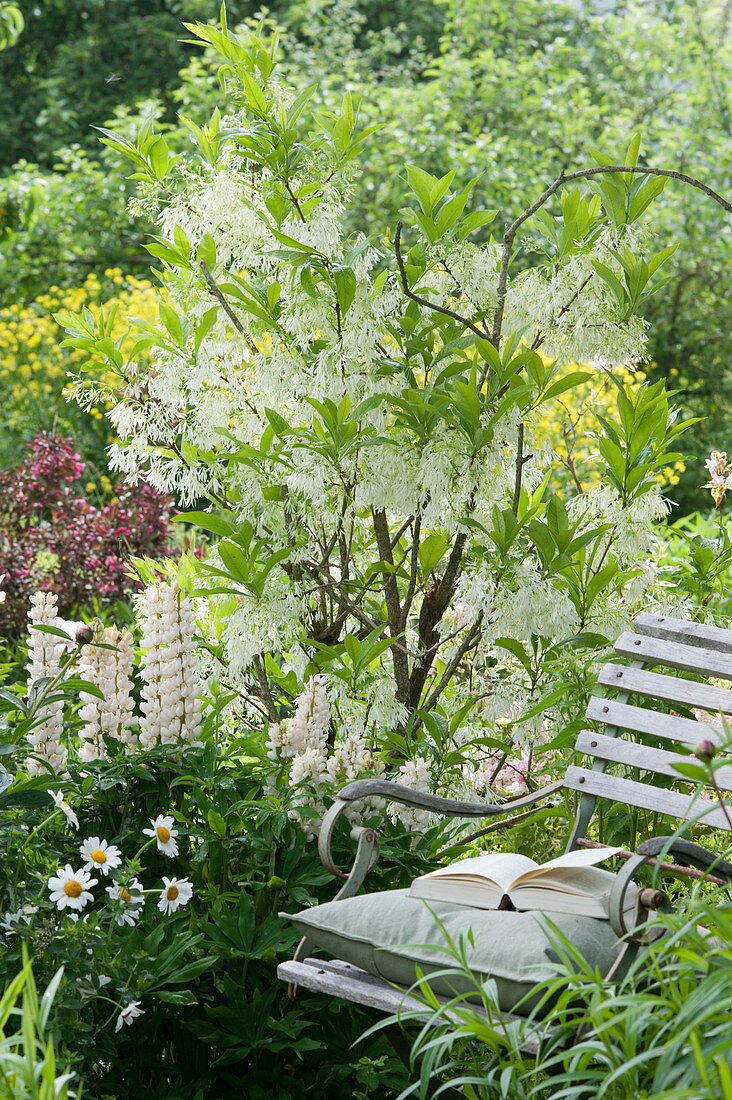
[
  {"x": 705, "y": 750},
  {"x": 84, "y": 634}
]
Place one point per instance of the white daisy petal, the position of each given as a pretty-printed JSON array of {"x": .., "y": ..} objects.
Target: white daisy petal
[
  {"x": 100, "y": 856},
  {"x": 61, "y": 804},
  {"x": 71, "y": 889},
  {"x": 164, "y": 834},
  {"x": 175, "y": 892},
  {"x": 128, "y": 900},
  {"x": 128, "y": 1014}
]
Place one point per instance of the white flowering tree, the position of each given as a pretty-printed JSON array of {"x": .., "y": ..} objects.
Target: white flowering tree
[{"x": 398, "y": 546}]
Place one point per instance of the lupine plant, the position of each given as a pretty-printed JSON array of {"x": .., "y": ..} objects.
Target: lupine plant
[
  {"x": 364, "y": 416},
  {"x": 145, "y": 850}
]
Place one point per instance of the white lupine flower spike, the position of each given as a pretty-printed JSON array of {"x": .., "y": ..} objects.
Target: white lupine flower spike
[
  {"x": 44, "y": 660},
  {"x": 106, "y": 661},
  {"x": 171, "y": 704},
  {"x": 164, "y": 834}
]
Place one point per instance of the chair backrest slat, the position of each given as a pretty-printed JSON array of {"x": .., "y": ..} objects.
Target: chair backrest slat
[
  {"x": 646, "y": 797},
  {"x": 688, "y": 658},
  {"x": 643, "y": 757},
  {"x": 679, "y": 647},
  {"x": 682, "y": 630},
  {"x": 670, "y": 727},
  {"x": 670, "y": 689}
]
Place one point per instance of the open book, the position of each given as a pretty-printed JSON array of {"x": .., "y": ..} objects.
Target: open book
[{"x": 506, "y": 880}]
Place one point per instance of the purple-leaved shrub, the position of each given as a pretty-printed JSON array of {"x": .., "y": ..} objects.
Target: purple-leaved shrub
[{"x": 52, "y": 537}]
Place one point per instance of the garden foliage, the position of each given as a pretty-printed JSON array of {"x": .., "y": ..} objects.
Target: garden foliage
[
  {"x": 34, "y": 369},
  {"x": 53, "y": 537},
  {"x": 365, "y": 415},
  {"x": 430, "y": 475},
  {"x": 152, "y": 866}
]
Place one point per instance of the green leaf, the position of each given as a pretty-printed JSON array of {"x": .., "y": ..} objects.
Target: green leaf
[
  {"x": 431, "y": 552},
  {"x": 216, "y": 823},
  {"x": 576, "y": 378},
  {"x": 175, "y": 997},
  {"x": 612, "y": 281},
  {"x": 236, "y": 562},
  {"x": 207, "y": 521},
  {"x": 345, "y": 283},
  {"x": 279, "y": 425},
  {"x": 353, "y": 647}
]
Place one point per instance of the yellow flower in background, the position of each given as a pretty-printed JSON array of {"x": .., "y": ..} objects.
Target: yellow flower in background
[{"x": 35, "y": 369}]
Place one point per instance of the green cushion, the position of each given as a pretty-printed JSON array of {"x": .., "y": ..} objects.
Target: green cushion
[{"x": 388, "y": 933}]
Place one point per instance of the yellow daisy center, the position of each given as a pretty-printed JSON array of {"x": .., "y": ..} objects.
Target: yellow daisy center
[
  {"x": 125, "y": 894},
  {"x": 72, "y": 889},
  {"x": 171, "y": 893},
  {"x": 163, "y": 834},
  {"x": 98, "y": 856}
]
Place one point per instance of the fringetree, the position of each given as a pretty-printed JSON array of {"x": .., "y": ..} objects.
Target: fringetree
[{"x": 367, "y": 418}]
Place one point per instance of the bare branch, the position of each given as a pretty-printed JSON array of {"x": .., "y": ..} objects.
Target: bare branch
[
  {"x": 212, "y": 286},
  {"x": 425, "y": 301},
  {"x": 413, "y": 568},
  {"x": 393, "y": 607},
  {"x": 583, "y": 173},
  {"x": 469, "y": 642}
]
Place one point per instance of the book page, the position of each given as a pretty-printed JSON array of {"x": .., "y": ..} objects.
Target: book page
[
  {"x": 501, "y": 868},
  {"x": 584, "y": 891},
  {"x": 570, "y": 861}
]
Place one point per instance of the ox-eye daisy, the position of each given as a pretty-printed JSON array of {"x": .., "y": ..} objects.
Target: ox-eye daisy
[
  {"x": 71, "y": 889},
  {"x": 62, "y": 804},
  {"x": 175, "y": 892},
  {"x": 164, "y": 833},
  {"x": 129, "y": 901},
  {"x": 99, "y": 855}
]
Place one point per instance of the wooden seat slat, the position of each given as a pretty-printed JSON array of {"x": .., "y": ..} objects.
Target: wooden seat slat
[
  {"x": 646, "y": 796},
  {"x": 670, "y": 689},
  {"x": 671, "y": 727},
  {"x": 643, "y": 757},
  {"x": 687, "y": 658},
  {"x": 339, "y": 979},
  {"x": 682, "y": 630}
]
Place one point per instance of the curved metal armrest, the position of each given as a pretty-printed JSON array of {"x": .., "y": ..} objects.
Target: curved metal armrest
[
  {"x": 645, "y": 901},
  {"x": 690, "y": 853},
  {"x": 367, "y": 852},
  {"x": 451, "y": 807},
  {"x": 649, "y": 899}
]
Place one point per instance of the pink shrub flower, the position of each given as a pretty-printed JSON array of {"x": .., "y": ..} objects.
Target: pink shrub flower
[{"x": 720, "y": 474}]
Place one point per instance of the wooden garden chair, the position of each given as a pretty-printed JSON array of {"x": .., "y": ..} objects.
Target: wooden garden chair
[{"x": 668, "y": 646}]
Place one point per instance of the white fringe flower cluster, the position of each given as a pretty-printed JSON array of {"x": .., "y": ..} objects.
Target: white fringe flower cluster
[
  {"x": 171, "y": 707},
  {"x": 44, "y": 660},
  {"x": 415, "y": 774},
  {"x": 107, "y": 663}
]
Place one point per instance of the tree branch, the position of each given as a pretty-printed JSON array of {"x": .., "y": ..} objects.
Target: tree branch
[
  {"x": 413, "y": 567},
  {"x": 425, "y": 301},
  {"x": 470, "y": 640},
  {"x": 583, "y": 173},
  {"x": 211, "y": 283},
  {"x": 393, "y": 607}
]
